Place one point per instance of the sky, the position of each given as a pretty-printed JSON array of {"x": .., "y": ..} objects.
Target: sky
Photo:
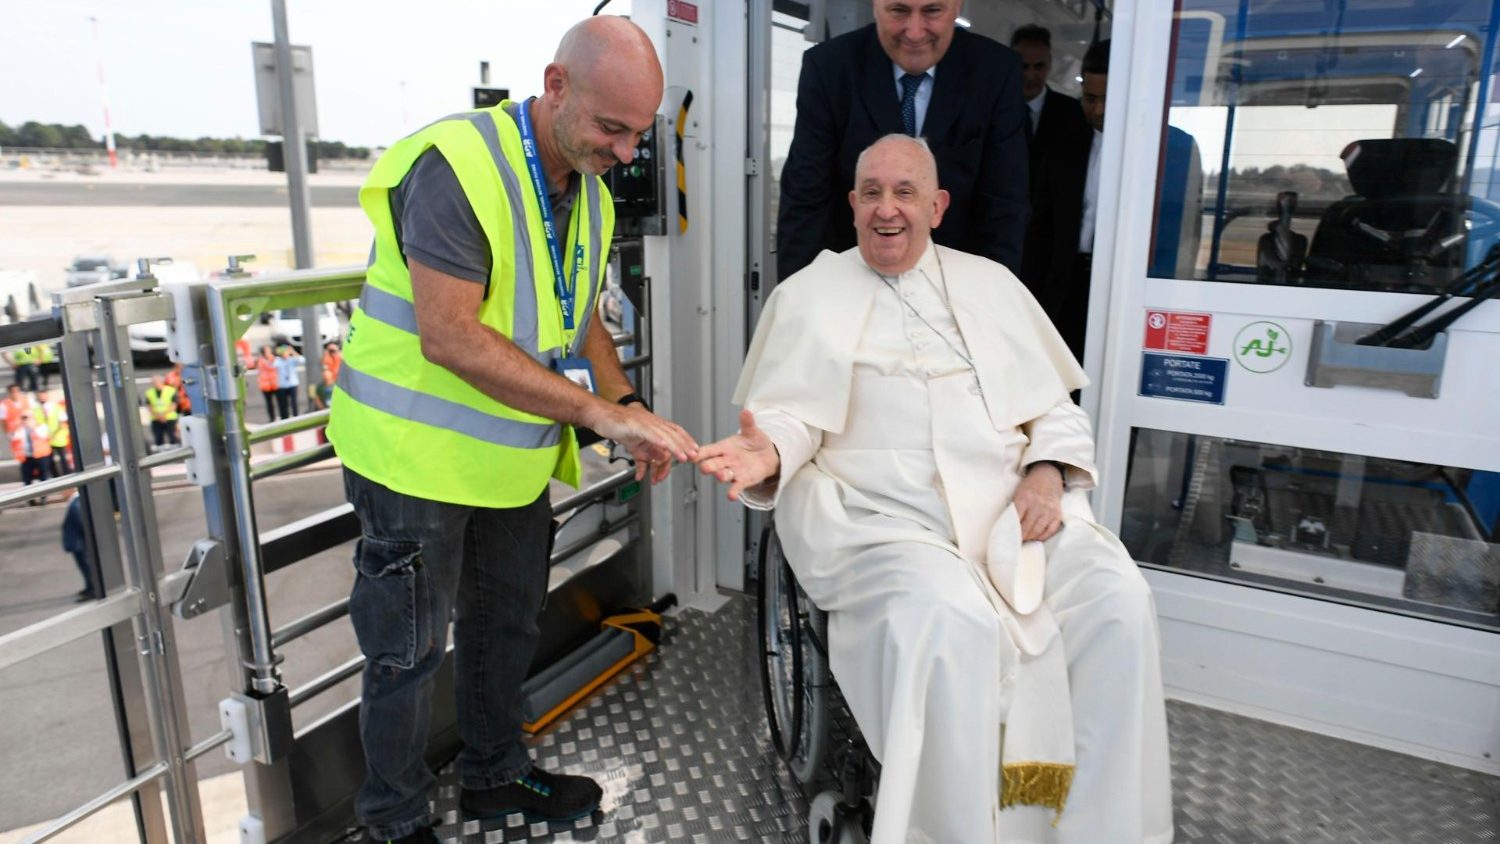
[{"x": 183, "y": 67}]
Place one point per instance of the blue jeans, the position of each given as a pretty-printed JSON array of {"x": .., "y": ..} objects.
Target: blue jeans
[{"x": 418, "y": 563}]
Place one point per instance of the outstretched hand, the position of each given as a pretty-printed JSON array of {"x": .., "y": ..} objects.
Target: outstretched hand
[
  {"x": 653, "y": 442},
  {"x": 744, "y": 460}
]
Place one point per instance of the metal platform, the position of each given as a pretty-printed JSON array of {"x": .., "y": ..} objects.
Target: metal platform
[{"x": 680, "y": 744}]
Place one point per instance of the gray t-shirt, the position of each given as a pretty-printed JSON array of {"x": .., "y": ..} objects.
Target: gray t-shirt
[{"x": 436, "y": 226}]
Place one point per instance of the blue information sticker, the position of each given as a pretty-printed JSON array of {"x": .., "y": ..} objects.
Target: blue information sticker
[{"x": 1184, "y": 377}]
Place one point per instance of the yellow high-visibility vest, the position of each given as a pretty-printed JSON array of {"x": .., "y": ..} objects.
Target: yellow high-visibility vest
[{"x": 416, "y": 427}]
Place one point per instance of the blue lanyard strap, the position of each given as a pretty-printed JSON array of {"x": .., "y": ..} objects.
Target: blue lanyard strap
[{"x": 567, "y": 291}]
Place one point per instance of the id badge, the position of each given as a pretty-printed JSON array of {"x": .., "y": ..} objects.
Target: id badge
[{"x": 577, "y": 370}]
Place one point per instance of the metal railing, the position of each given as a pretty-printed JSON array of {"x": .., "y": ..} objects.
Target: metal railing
[{"x": 228, "y": 567}]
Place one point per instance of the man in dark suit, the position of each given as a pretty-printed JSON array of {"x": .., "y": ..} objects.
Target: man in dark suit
[
  {"x": 911, "y": 71},
  {"x": 1054, "y": 118},
  {"x": 1060, "y": 243}
]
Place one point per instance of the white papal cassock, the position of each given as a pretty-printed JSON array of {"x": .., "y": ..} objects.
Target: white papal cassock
[{"x": 904, "y": 426}]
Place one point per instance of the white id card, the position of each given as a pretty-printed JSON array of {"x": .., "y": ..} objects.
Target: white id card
[{"x": 577, "y": 370}]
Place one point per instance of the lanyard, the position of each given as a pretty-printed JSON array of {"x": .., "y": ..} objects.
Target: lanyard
[{"x": 566, "y": 291}]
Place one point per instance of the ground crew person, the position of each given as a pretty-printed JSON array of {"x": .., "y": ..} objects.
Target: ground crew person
[
  {"x": 270, "y": 385},
  {"x": 54, "y": 414},
  {"x": 24, "y": 362},
  {"x": 46, "y": 362},
  {"x": 162, "y": 400},
  {"x": 456, "y": 401},
  {"x": 31, "y": 444},
  {"x": 14, "y": 404}
]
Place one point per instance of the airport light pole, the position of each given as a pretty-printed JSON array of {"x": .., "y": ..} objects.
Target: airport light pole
[{"x": 294, "y": 154}]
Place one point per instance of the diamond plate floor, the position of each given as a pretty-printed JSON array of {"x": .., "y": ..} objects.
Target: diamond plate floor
[{"x": 680, "y": 745}]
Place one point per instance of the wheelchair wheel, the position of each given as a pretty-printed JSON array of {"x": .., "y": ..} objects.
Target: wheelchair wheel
[
  {"x": 827, "y": 825},
  {"x": 794, "y": 664}
]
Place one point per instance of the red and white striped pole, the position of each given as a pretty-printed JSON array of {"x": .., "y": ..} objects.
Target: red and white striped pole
[{"x": 109, "y": 132}]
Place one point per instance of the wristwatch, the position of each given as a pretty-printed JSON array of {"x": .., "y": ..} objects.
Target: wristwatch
[{"x": 632, "y": 398}]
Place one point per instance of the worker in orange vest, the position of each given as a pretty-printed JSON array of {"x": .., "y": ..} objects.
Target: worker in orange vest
[
  {"x": 265, "y": 367},
  {"x": 174, "y": 380},
  {"x": 333, "y": 358},
  {"x": 31, "y": 443},
  {"x": 15, "y": 403}
]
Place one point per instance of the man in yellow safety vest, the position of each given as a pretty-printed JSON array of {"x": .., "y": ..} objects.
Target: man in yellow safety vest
[
  {"x": 161, "y": 399},
  {"x": 474, "y": 353}
]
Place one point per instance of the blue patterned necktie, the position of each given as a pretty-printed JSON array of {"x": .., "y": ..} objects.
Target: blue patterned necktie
[{"x": 910, "y": 82}]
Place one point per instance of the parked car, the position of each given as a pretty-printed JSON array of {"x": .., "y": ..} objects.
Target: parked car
[
  {"x": 88, "y": 269},
  {"x": 148, "y": 340},
  {"x": 286, "y": 326}
]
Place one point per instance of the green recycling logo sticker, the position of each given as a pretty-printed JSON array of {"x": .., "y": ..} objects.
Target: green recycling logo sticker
[{"x": 1262, "y": 347}]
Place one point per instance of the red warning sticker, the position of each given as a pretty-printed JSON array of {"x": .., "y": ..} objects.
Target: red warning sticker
[
  {"x": 1173, "y": 331},
  {"x": 681, "y": 11}
]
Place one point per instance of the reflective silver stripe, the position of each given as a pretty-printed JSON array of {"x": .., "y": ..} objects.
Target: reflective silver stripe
[
  {"x": 441, "y": 413},
  {"x": 400, "y": 314},
  {"x": 388, "y": 308},
  {"x": 525, "y": 329}
]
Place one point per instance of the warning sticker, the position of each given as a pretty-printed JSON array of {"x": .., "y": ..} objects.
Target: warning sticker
[
  {"x": 682, "y": 11},
  {"x": 1174, "y": 331}
]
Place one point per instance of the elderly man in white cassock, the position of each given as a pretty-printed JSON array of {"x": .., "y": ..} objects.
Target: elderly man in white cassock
[{"x": 907, "y": 414}]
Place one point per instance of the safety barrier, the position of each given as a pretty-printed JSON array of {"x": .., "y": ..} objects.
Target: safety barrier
[{"x": 606, "y": 557}]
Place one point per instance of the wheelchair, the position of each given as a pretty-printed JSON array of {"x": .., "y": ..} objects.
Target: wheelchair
[{"x": 804, "y": 709}]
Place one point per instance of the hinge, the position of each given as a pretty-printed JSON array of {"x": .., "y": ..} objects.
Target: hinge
[{"x": 752, "y": 167}]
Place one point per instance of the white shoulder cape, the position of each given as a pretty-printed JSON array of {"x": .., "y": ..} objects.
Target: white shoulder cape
[{"x": 801, "y": 360}]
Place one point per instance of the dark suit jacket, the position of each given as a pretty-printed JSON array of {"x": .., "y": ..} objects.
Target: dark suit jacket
[
  {"x": 1050, "y": 266},
  {"x": 1062, "y": 125},
  {"x": 976, "y": 125}
]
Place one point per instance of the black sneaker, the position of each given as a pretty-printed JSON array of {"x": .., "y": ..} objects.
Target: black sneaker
[{"x": 540, "y": 796}]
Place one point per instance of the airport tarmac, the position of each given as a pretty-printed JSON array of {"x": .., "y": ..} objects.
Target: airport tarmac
[{"x": 199, "y": 217}]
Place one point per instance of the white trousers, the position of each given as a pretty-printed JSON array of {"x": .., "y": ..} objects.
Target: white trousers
[{"x": 916, "y": 649}]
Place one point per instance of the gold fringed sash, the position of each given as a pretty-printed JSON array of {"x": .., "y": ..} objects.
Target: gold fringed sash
[{"x": 1036, "y": 784}]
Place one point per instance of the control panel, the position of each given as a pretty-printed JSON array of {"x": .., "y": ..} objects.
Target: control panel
[{"x": 639, "y": 186}]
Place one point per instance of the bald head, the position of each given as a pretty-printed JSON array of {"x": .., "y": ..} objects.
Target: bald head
[
  {"x": 896, "y": 202},
  {"x": 601, "y": 91},
  {"x": 607, "y": 46}
]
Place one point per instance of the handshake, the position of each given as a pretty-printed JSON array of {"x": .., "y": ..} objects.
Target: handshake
[{"x": 744, "y": 460}]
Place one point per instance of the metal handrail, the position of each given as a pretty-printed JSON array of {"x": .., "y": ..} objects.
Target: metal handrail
[
  {"x": 272, "y": 430},
  {"x": 30, "y": 332},
  {"x": 127, "y": 787},
  {"x": 326, "y": 681},
  {"x": 52, "y": 633},
  {"x": 16, "y": 497},
  {"x": 635, "y": 363},
  {"x": 164, "y": 458},
  {"x": 587, "y": 496},
  {"x": 218, "y": 739},
  {"x": 310, "y": 622},
  {"x": 295, "y": 460}
]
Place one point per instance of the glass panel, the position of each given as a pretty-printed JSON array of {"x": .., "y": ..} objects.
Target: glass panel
[
  {"x": 787, "y": 46},
  {"x": 1408, "y": 537},
  {"x": 1345, "y": 145}
]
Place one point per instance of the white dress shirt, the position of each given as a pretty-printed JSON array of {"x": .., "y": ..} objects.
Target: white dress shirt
[
  {"x": 1090, "y": 195},
  {"x": 1034, "y": 106}
]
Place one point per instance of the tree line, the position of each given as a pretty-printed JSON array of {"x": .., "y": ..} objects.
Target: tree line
[{"x": 58, "y": 136}]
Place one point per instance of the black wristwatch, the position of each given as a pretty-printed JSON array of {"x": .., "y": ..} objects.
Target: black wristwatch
[{"x": 632, "y": 398}]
